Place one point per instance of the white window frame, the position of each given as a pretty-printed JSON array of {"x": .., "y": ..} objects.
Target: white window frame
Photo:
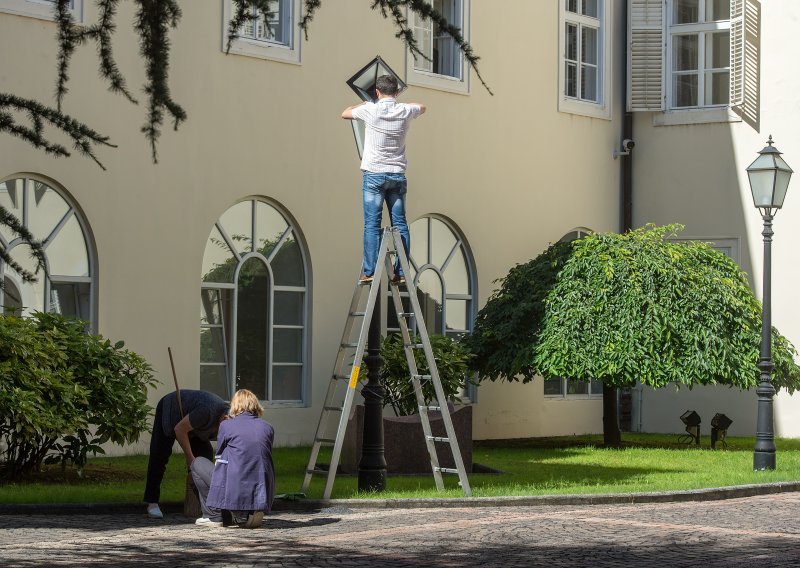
[
  {"x": 421, "y": 78},
  {"x": 264, "y": 49},
  {"x": 563, "y": 395},
  {"x": 602, "y": 107},
  {"x": 40, "y": 9}
]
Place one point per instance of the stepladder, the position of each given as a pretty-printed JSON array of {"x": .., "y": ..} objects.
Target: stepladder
[{"x": 344, "y": 383}]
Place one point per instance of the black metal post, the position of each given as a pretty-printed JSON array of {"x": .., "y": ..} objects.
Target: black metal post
[
  {"x": 372, "y": 467},
  {"x": 764, "y": 455}
]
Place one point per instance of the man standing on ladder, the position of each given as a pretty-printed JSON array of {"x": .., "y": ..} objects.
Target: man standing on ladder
[{"x": 384, "y": 165}]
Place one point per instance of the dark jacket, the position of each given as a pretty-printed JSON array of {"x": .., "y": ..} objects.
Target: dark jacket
[{"x": 244, "y": 476}]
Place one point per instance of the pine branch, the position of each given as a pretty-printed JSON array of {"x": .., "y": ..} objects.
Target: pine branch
[
  {"x": 311, "y": 6},
  {"x": 153, "y": 20},
  {"x": 37, "y": 251},
  {"x": 82, "y": 136},
  {"x": 247, "y": 11}
]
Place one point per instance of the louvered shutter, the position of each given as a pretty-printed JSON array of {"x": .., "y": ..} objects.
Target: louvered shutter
[
  {"x": 737, "y": 53},
  {"x": 646, "y": 55}
]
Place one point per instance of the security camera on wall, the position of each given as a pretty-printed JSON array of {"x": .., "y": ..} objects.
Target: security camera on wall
[{"x": 627, "y": 145}]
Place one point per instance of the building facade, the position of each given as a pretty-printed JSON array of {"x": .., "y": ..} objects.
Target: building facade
[{"x": 240, "y": 247}]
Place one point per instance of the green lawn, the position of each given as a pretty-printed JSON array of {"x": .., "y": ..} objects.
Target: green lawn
[{"x": 541, "y": 466}]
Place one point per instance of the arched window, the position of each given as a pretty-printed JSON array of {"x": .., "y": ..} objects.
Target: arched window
[
  {"x": 254, "y": 305},
  {"x": 68, "y": 286},
  {"x": 443, "y": 271}
]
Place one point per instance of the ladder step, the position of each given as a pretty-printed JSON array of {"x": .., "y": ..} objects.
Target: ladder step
[
  {"x": 413, "y": 345},
  {"x": 349, "y": 345},
  {"x": 421, "y": 377},
  {"x": 325, "y": 441},
  {"x": 341, "y": 377},
  {"x": 358, "y": 314},
  {"x": 333, "y": 408},
  {"x": 317, "y": 471},
  {"x": 446, "y": 470},
  {"x": 438, "y": 439},
  {"x": 406, "y": 315},
  {"x": 431, "y": 408}
]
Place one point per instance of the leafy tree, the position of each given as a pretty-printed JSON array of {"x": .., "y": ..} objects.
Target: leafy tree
[{"x": 627, "y": 308}]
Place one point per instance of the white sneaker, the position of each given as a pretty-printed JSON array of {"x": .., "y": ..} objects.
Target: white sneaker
[
  {"x": 204, "y": 522},
  {"x": 154, "y": 512}
]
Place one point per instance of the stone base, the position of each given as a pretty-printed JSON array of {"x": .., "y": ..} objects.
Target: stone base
[{"x": 404, "y": 441}]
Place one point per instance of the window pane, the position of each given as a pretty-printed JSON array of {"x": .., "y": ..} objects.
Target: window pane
[
  {"x": 717, "y": 91},
  {"x": 456, "y": 275},
  {"x": 287, "y": 266},
  {"x": 212, "y": 345},
  {"x": 446, "y": 55},
  {"x": 589, "y": 8},
  {"x": 685, "y": 90},
  {"x": 684, "y": 52},
  {"x": 589, "y": 45},
  {"x": 211, "y": 307},
  {"x": 67, "y": 251},
  {"x": 571, "y": 82},
  {"x": 219, "y": 263},
  {"x": 270, "y": 225},
  {"x": 214, "y": 378},
  {"x": 457, "y": 312},
  {"x": 287, "y": 345},
  {"x": 252, "y": 327},
  {"x": 288, "y": 308},
  {"x": 577, "y": 387},
  {"x": 571, "y": 45},
  {"x": 442, "y": 240},
  {"x": 429, "y": 293},
  {"x": 27, "y": 295},
  {"x": 45, "y": 209},
  {"x": 287, "y": 383},
  {"x": 554, "y": 387},
  {"x": 686, "y": 11},
  {"x": 572, "y": 6},
  {"x": 11, "y": 201},
  {"x": 71, "y": 299},
  {"x": 238, "y": 223},
  {"x": 589, "y": 83},
  {"x": 718, "y": 52},
  {"x": 717, "y": 10},
  {"x": 596, "y": 387}
]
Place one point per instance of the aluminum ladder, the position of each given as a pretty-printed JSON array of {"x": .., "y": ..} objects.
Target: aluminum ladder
[{"x": 348, "y": 363}]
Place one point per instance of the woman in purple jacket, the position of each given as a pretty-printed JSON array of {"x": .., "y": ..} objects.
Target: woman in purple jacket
[{"x": 243, "y": 479}]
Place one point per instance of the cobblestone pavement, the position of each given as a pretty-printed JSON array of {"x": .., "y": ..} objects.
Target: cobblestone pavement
[{"x": 756, "y": 531}]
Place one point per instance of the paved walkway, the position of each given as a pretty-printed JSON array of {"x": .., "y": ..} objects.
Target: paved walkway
[{"x": 759, "y": 531}]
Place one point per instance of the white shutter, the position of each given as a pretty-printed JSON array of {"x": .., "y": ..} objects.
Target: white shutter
[
  {"x": 746, "y": 70},
  {"x": 646, "y": 55},
  {"x": 737, "y": 53}
]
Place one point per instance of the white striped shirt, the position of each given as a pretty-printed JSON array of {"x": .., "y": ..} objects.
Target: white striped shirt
[{"x": 387, "y": 123}]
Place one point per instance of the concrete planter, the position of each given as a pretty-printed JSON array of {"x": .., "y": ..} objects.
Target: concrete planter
[{"x": 404, "y": 441}]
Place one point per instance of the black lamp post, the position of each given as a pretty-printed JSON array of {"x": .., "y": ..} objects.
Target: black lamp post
[
  {"x": 769, "y": 179},
  {"x": 372, "y": 467}
]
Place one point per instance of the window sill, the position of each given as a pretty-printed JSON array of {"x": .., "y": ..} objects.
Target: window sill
[
  {"x": 695, "y": 116},
  {"x": 38, "y": 10},
  {"x": 570, "y": 397},
  {"x": 591, "y": 110},
  {"x": 263, "y": 50},
  {"x": 435, "y": 81}
]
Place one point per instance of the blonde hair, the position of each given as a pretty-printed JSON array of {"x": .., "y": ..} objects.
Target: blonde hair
[{"x": 245, "y": 401}]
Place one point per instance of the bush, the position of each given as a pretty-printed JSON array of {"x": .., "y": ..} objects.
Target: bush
[
  {"x": 452, "y": 360},
  {"x": 60, "y": 382}
]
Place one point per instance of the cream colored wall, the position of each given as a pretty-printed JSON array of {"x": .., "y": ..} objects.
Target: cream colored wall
[
  {"x": 503, "y": 168},
  {"x": 696, "y": 175}
]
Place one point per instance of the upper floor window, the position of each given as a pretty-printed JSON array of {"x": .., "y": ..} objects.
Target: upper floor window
[
  {"x": 699, "y": 53},
  {"x": 254, "y": 305},
  {"x": 43, "y": 9},
  {"x": 443, "y": 66},
  {"x": 271, "y": 35},
  {"x": 585, "y": 60},
  {"x": 68, "y": 285}
]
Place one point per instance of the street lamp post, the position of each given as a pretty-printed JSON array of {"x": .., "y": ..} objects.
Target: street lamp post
[{"x": 769, "y": 179}]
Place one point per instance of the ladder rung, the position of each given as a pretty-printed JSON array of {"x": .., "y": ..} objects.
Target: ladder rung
[
  {"x": 446, "y": 470},
  {"x": 429, "y": 408},
  {"x": 333, "y": 408},
  {"x": 358, "y": 314},
  {"x": 325, "y": 441},
  {"x": 413, "y": 345},
  {"x": 349, "y": 345},
  {"x": 406, "y": 315},
  {"x": 422, "y": 377},
  {"x": 341, "y": 377},
  {"x": 438, "y": 439},
  {"x": 317, "y": 471}
]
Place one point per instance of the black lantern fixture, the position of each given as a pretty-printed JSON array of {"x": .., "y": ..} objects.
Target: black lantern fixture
[
  {"x": 769, "y": 178},
  {"x": 692, "y": 421},
  {"x": 363, "y": 85},
  {"x": 719, "y": 429}
]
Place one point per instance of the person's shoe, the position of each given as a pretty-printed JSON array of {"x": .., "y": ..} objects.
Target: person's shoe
[
  {"x": 398, "y": 279},
  {"x": 254, "y": 520},
  {"x": 204, "y": 522},
  {"x": 154, "y": 512},
  {"x": 365, "y": 279}
]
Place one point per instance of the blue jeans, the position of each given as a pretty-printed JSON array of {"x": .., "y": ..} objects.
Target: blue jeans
[{"x": 377, "y": 188}]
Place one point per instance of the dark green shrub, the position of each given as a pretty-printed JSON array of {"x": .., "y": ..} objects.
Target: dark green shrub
[{"x": 59, "y": 381}]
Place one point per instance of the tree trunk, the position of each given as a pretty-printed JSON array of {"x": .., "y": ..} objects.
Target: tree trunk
[{"x": 612, "y": 437}]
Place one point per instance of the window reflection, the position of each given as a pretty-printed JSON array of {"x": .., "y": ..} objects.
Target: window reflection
[{"x": 252, "y": 327}]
